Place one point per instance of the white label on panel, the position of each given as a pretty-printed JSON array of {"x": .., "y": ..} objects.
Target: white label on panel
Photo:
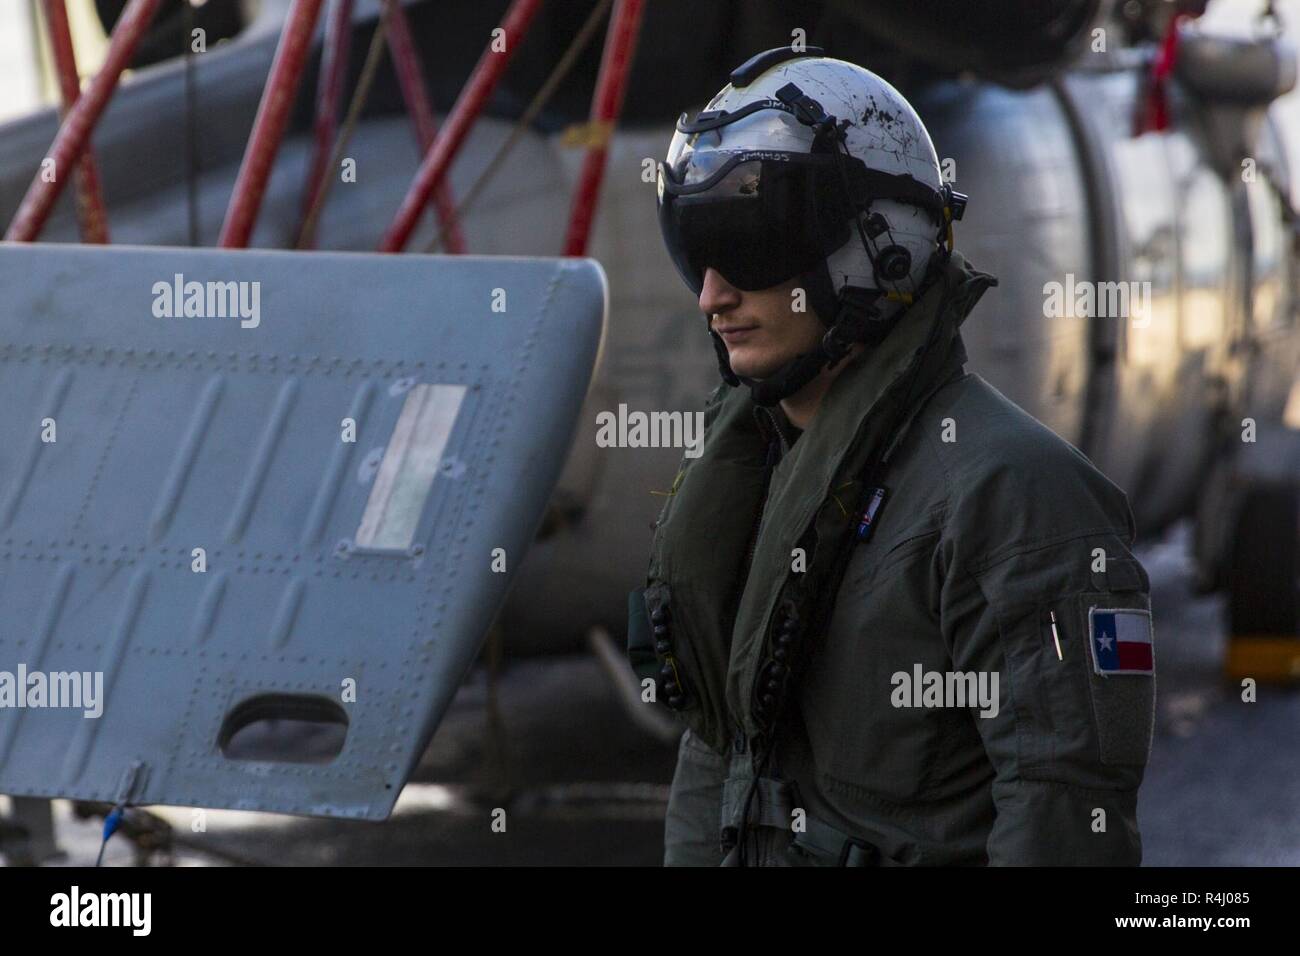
[{"x": 409, "y": 465}]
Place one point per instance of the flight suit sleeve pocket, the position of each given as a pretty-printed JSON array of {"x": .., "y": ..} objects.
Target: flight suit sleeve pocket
[
  {"x": 1083, "y": 690},
  {"x": 1044, "y": 661},
  {"x": 1120, "y": 660}
]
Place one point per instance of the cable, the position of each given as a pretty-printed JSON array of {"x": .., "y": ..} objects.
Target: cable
[
  {"x": 359, "y": 96},
  {"x": 539, "y": 100},
  {"x": 191, "y": 139},
  {"x": 760, "y": 767},
  {"x": 869, "y": 246}
]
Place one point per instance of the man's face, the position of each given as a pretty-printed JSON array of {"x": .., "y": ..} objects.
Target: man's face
[{"x": 761, "y": 330}]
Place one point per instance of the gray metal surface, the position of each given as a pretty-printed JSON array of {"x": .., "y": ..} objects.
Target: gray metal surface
[{"x": 172, "y": 434}]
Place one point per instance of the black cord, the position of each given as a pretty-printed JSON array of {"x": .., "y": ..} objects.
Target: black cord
[
  {"x": 867, "y": 245},
  {"x": 759, "y": 767}
]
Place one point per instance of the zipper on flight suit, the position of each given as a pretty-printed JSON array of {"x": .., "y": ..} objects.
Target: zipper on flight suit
[
  {"x": 772, "y": 462},
  {"x": 769, "y": 467}
]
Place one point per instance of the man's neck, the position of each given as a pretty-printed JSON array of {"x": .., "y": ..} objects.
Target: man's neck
[{"x": 800, "y": 407}]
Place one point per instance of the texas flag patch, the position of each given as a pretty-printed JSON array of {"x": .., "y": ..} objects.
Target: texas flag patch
[{"x": 1121, "y": 641}]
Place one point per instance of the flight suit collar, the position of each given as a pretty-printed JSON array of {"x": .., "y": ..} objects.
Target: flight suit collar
[{"x": 774, "y": 424}]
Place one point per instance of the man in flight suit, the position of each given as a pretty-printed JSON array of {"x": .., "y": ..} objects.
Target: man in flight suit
[{"x": 899, "y": 617}]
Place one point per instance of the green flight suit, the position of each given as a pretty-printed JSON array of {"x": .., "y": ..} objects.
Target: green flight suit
[{"x": 996, "y": 542}]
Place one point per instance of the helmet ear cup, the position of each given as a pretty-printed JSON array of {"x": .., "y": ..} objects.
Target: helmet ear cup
[{"x": 892, "y": 264}]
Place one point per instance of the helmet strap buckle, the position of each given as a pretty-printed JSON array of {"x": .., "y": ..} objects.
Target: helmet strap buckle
[{"x": 810, "y": 113}]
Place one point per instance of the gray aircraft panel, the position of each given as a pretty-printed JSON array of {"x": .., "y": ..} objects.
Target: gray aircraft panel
[{"x": 130, "y": 438}]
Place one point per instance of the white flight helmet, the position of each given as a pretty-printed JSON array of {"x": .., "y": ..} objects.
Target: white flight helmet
[{"x": 808, "y": 166}]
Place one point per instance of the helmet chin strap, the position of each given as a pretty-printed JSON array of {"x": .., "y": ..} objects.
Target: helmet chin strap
[
  {"x": 789, "y": 378},
  {"x": 858, "y": 318}
]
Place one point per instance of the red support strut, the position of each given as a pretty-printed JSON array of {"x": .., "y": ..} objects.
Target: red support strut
[
  {"x": 333, "y": 68},
  {"x": 437, "y": 161},
  {"x": 606, "y": 105},
  {"x": 74, "y": 133},
  {"x": 272, "y": 118},
  {"x": 410, "y": 76},
  {"x": 91, "y": 216}
]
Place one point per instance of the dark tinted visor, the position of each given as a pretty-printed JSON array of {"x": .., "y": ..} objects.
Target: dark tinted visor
[{"x": 759, "y": 218}]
